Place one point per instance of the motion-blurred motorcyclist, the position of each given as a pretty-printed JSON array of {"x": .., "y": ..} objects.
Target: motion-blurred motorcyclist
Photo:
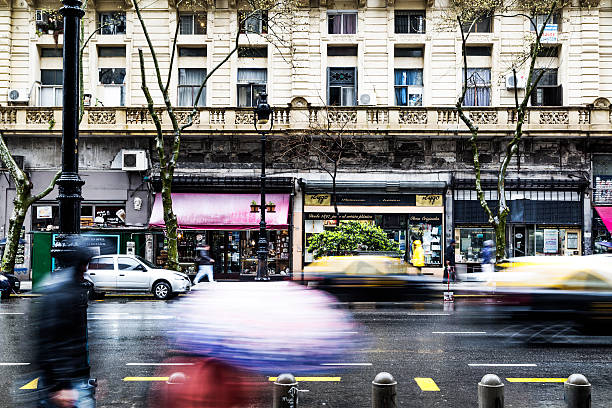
[{"x": 61, "y": 332}]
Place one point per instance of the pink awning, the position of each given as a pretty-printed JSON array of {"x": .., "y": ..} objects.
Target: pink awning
[
  {"x": 606, "y": 216},
  {"x": 221, "y": 211}
]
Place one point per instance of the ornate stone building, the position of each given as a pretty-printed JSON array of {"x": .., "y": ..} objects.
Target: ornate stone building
[{"x": 393, "y": 74}]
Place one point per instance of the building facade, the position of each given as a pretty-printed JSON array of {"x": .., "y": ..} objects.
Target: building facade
[{"x": 392, "y": 72}]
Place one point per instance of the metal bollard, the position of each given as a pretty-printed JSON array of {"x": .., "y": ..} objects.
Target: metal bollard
[
  {"x": 384, "y": 394},
  {"x": 175, "y": 380},
  {"x": 577, "y": 392},
  {"x": 490, "y": 392},
  {"x": 285, "y": 392}
]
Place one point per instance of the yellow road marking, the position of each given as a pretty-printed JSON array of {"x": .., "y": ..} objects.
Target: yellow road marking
[
  {"x": 146, "y": 378},
  {"x": 32, "y": 385},
  {"x": 537, "y": 380},
  {"x": 426, "y": 384},
  {"x": 310, "y": 379}
]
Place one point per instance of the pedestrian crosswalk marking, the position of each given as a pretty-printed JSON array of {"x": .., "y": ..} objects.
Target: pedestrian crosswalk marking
[
  {"x": 32, "y": 385},
  {"x": 146, "y": 378},
  {"x": 311, "y": 379},
  {"x": 426, "y": 384},
  {"x": 536, "y": 380}
]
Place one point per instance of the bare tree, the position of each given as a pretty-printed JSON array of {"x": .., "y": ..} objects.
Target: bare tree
[
  {"x": 466, "y": 16},
  {"x": 21, "y": 203},
  {"x": 275, "y": 15},
  {"x": 326, "y": 144}
]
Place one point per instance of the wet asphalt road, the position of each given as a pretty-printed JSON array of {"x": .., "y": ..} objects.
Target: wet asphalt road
[{"x": 409, "y": 340}]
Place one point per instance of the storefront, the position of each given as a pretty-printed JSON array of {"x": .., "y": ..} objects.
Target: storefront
[
  {"x": 602, "y": 203},
  {"x": 404, "y": 216},
  {"x": 229, "y": 223},
  {"x": 544, "y": 221}
]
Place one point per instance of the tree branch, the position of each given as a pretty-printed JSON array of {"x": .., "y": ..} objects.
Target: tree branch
[{"x": 46, "y": 191}]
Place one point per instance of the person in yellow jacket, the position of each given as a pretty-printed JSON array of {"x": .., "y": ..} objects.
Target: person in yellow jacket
[{"x": 418, "y": 255}]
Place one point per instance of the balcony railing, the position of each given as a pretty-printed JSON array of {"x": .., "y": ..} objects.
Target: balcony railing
[{"x": 432, "y": 120}]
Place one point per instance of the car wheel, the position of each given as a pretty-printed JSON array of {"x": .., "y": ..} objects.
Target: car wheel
[
  {"x": 93, "y": 295},
  {"x": 162, "y": 291}
]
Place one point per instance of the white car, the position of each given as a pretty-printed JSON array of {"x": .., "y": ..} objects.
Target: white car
[{"x": 129, "y": 273}]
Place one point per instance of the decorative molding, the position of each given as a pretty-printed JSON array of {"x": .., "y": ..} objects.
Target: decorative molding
[
  {"x": 584, "y": 116},
  {"x": 8, "y": 116},
  {"x": 447, "y": 116},
  {"x": 281, "y": 116},
  {"x": 412, "y": 117},
  {"x": 39, "y": 117},
  {"x": 376, "y": 116},
  {"x": 102, "y": 117},
  {"x": 244, "y": 118},
  {"x": 217, "y": 117},
  {"x": 182, "y": 116},
  {"x": 554, "y": 117},
  {"x": 341, "y": 117},
  {"x": 484, "y": 117}
]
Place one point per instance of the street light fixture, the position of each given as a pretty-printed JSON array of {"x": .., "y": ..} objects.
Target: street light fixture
[{"x": 263, "y": 120}]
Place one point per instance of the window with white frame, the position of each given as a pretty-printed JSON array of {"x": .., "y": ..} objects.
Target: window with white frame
[
  {"x": 539, "y": 20},
  {"x": 548, "y": 92},
  {"x": 51, "y": 92},
  {"x": 190, "y": 80},
  {"x": 113, "y": 81},
  {"x": 478, "y": 87},
  {"x": 192, "y": 23},
  {"x": 251, "y": 83},
  {"x": 409, "y": 87},
  {"x": 111, "y": 23},
  {"x": 342, "y": 22},
  {"x": 342, "y": 84},
  {"x": 253, "y": 22}
]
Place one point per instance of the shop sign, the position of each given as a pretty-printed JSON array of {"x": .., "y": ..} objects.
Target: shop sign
[
  {"x": 551, "y": 241},
  {"x": 344, "y": 217},
  {"x": 429, "y": 200},
  {"x": 376, "y": 199},
  {"x": 317, "y": 199},
  {"x": 425, "y": 218},
  {"x": 550, "y": 34},
  {"x": 44, "y": 211},
  {"x": 108, "y": 244},
  {"x": 602, "y": 193}
]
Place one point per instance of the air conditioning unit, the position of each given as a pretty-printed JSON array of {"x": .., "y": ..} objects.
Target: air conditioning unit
[
  {"x": 19, "y": 95},
  {"x": 367, "y": 99},
  {"x": 134, "y": 160},
  {"x": 521, "y": 81}
]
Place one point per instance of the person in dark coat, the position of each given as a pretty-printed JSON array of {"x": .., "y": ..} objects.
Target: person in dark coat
[
  {"x": 449, "y": 262},
  {"x": 205, "y": 264},
  {"x": 60, "y": 318}
]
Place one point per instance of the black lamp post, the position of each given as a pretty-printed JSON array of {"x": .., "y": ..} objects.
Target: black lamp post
[
  {"x": 263, "y": 121},
  {"x": 69, "y": 183}
]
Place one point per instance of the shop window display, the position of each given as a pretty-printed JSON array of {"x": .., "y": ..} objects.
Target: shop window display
[
  {"x": 471, "y": 242},
  {"x": 427, "y": 228}
]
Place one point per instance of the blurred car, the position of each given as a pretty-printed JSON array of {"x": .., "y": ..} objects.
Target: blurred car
[
  {"x": 576, "y": 289},
  {"x": 14, "y": 285},
  {"x": 5, "y": 287},
  {"x": 129, "y": 273},
  {"x": 367, "y": 277}
]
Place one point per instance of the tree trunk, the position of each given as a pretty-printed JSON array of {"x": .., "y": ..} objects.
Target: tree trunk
[
  {"x": 335, "y": 204},
  {"x": 169, "y": 220},
  {"x": 14, "y": 232},
  {"x": 500, "y": 238}
]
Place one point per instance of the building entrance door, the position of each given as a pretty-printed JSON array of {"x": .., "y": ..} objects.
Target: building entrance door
[
  {"x": 519, "y": 240},
  {"x": 225, "y": 250}
]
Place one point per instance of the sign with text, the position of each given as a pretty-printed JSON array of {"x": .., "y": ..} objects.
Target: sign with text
[
  {"x": 425, "y": 219},
  {"x": 551, "y": 241},
  {"x": 429, "y": 200},
  {"x": 343, "y": 217},
  {"x": 317, "y": 199},
  {"x": 550, "y": 34}
]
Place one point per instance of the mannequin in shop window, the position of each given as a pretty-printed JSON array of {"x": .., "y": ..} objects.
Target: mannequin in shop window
[{"x": 205, "y": 264}]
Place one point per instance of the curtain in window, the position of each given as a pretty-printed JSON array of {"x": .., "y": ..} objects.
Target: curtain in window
[
  {"x": 185, "y": 22},
  {"x": 335, "y": 24},
  {"x": 406, "y": 77},
  {"x": 254, "y": 76},
  {"x": 192, "y": 77},
  {"x": 48, "y": 96},
  {"x": 479, "y": 87},
  {"x": 350, "y": 23}
]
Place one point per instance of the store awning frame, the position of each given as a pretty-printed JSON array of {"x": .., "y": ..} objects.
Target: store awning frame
[
  {"x": 232, "y": 212},
  {"x": 605, "y": 213}
]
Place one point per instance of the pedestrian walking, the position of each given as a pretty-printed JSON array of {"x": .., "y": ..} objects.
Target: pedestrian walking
[
  {"x": 205, "y": 264},
  {"x": 488, "y": 260},
  {"x": 449, "y": 263},
  {"x": 418, "y": 256},
  {"x": 60, "y": 337}
]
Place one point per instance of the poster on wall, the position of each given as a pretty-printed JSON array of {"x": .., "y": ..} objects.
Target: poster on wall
[
  {"x": 602, "y": 190},
  {"x": 108, "y": 244},
  {"x": 44, "y": 211},
  {"x": 551, "y": 241},
  {"x": 427, "y": 228}
]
